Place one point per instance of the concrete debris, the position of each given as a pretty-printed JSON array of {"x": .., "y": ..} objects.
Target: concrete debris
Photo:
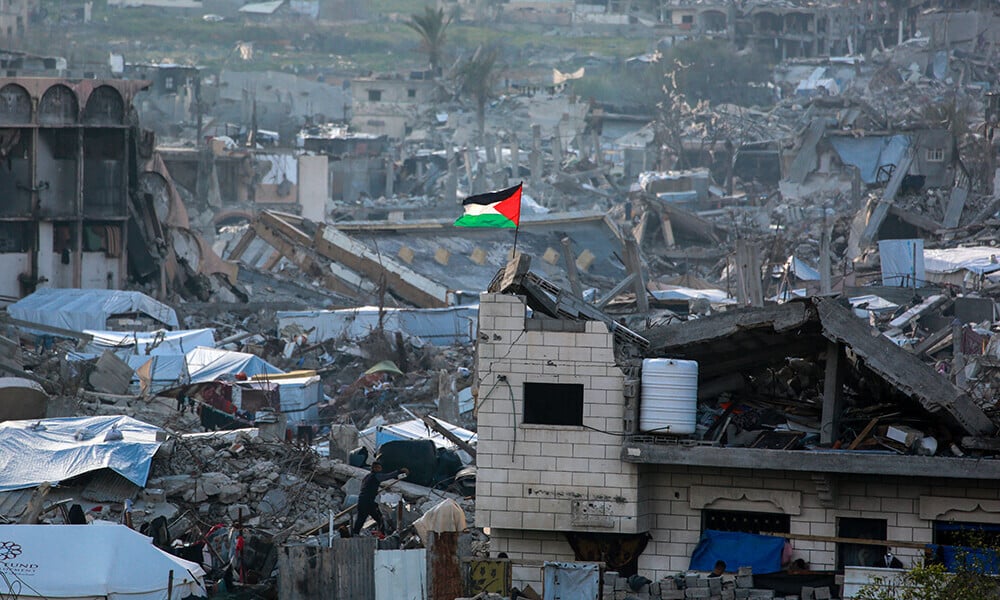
[{"x": 260, "y": 266}]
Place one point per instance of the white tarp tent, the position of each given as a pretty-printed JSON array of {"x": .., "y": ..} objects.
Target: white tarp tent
[
  {"x": 53, "y": 450},
  {"x": 439, "y": 326},
  {"x": 89, "y": 562},
  {"x": 903, "y": 262},
  {"x": 148, "y": 343},
  {"x": 78, "y": 310},
  {"x": 210, "y": 364},
  {"x": 951, "y": 265}
]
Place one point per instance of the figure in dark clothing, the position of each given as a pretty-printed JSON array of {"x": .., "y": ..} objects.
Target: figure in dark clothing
[{"x": 366, "y": 498}]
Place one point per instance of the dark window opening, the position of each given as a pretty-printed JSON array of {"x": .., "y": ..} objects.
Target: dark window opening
[
  {"x": 861, "y": 555},
  {"x": 553, "y": 403},
  {"x": 63, "y": 237},
  {"x": 15, "y": 236},
  {"x": 411, "y": 93},
  {"x": 745, "y": 521},
  {"x": 374, "y": 95}
]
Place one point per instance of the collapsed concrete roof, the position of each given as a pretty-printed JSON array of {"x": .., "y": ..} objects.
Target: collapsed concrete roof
[{"x": 736, "y": 340}]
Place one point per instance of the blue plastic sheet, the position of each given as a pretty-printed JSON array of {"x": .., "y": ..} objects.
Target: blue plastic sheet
[{"x": 736, "y": 549}]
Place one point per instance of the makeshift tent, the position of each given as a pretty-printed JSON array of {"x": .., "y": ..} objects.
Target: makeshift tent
[
  {"x": 440, "y": 326},
  {"x": 902, "y": 263},
  {"x": 89, "y": 562},
  {"x": 737, "y": 549},
  {"x": 53, "y": 450},
  {"x": 211, "y": 364},
  {"x": 79, "y": 310},
  {"x": 951, "y": 265},
  {"x": 373, "y": 437},
  {"x": 159, "y": 373},
  {"x": 152, "y": 343}
]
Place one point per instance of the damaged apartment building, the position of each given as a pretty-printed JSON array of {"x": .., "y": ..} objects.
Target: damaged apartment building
[
  {"x": 796, "y": 422},
  {"x": 88, "y": 203},
  {"x": 70, "y": 153}
]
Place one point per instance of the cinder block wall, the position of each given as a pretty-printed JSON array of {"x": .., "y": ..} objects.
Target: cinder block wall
[
  {"x": 530, "y": 476},
  {"x": 676, "y": 525}
]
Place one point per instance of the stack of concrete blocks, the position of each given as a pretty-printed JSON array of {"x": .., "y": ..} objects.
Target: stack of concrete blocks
[
  {"x": 820, "y": 593},
  {"x": 699, "y": 587}
]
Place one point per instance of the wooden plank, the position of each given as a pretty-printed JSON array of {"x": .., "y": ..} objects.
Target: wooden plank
[
  {"x": 242, "y": 245},
  {"x": 864, "y": 434},
  {"x": 847, "y": 540}
]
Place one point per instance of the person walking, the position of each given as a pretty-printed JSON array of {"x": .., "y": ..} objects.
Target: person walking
[{"x": 366, "y": 498}]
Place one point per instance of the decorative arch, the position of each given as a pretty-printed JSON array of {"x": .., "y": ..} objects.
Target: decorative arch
[
  {"x": 15, "y": 105},
  {"x": 59, "y": 106},
  {"x": 105, "y": 106}
]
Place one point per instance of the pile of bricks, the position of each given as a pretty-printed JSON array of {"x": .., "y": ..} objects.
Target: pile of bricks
[{"x": 701, "y": 587}]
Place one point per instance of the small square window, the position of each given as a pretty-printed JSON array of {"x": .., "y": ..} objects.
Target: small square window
[
  {"x": 411, "y": 93},
  {"x": 934, "y": 154},
  {"x": 553, "y": 403},
  {"x": 374, "y": 95}
]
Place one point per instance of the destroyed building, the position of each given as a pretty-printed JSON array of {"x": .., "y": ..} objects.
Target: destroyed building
[
  {"x": 799, "y": 424},
  {"x": 390, "y": 105},
  {"x": 72, "y": 151}
]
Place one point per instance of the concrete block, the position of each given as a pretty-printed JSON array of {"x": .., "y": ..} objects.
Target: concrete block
[
  {"x": 697, "y": 592},
  {"x": 761, "y": 594},
  {"x": 715, "y": 585},
  {"x": 822, "y": 593},
  {"x": 808, "y": 593},
  {"x": 671, "y": 594}
]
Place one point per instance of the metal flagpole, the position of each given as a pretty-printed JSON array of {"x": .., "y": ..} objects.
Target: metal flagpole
[{"x": 513, "y": 253}]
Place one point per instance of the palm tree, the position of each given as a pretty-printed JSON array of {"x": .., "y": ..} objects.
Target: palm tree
[
  {"x": 476, "y": 77},
  {"x": 431, "y": 26}
]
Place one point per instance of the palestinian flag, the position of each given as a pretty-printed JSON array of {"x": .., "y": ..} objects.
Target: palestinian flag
[{"x": 492, "y": 209}]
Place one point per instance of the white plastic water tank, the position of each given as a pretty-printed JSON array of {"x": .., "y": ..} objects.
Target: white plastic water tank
[{"x": 668, "y": 403}]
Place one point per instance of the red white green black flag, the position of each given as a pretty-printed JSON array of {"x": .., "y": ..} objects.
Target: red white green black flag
[{"x": 492, "y": 209}]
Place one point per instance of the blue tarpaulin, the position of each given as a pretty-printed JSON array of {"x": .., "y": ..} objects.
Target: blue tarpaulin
[
  {"x": 736, "y": 549},
  {"x": 976, "y": 560}
]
